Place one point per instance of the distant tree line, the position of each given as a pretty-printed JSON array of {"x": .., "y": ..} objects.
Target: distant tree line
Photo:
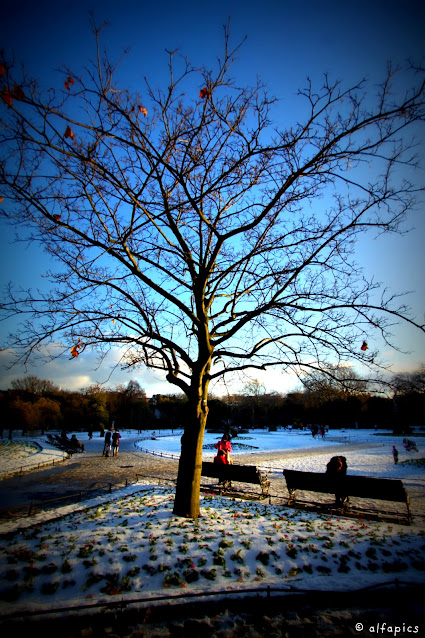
[
  {"x": 36, "y": 404},
  {"x": 338, "y": 398},
  {"x": 335, "y": 398}
]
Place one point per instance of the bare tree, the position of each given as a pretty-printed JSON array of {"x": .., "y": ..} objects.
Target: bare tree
[
  {"x": 196, "y": 235},
  {"x": 410, "y": 382},
  {"x": 332, "y": 382},
  {"x": 254, "y": 391},
  {"x": 254, "y": 388},
  {"x": 34, "y": 385}
]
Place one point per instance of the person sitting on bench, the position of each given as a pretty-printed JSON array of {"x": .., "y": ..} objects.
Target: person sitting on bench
[
  {"x": 336, "y": 471},
  {"x": 220, "y": 457},
  {"x": 225, "y": 447},
  {"x": 75, "y": 443}
]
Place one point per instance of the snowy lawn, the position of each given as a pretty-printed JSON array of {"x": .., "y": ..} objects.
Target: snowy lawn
[
  {"x": 256, "y": 441},
  {"x": 130, "y": 545},
  {"x": 25, "y": 455},
  {"x": 13, "y": 451}
]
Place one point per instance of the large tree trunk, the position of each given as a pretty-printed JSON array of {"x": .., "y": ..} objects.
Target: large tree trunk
[{"x": 186, "y": 502}]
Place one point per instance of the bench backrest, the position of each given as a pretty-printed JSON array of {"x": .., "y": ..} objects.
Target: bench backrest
[
  {"x": 308, "y": 481},
  {"x": 241, "y": 473},
  {"x": 379, "y": 488},
  {"x": 360, "y": 486}
]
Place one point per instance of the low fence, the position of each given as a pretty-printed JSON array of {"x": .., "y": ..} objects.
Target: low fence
[
  {"x": 33, "y": 507},
  {"x": 32, "y": 466},
  {"x": 266, "y": 593},
  {"x": 164, "y": 455}
]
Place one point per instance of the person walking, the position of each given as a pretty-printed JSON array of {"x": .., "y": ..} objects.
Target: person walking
[
  {"x": 395, "y": 455},
  {"x": 115, "y": 442},
  {"x": 107, "y": 446}
]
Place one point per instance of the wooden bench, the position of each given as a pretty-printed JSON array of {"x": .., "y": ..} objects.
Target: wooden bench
[
  {"x": 238, "y": 473},
  {"x": 380, "y": 489}
]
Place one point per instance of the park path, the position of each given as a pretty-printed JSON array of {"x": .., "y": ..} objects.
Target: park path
[{"x": 89, "y": 471}]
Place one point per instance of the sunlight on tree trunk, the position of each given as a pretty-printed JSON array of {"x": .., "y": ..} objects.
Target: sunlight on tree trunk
[{"x": 187, "y": 497}]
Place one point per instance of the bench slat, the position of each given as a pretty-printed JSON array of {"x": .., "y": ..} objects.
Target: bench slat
[
  {"x": 376, "y": 488},
  {"x": 238, "y": 473},
  {"x": 242, "y": 473},
  {"x": 308, "y": 481},
  {"x": 358, "y": 486},
  {"x": 350, "y": 486}
]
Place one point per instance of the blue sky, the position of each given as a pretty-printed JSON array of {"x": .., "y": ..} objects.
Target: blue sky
[{"x": 286, "y": 41}]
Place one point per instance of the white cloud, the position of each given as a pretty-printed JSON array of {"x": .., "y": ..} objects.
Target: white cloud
[
  {"x": 76, "y": 373},
  {"x": 276, "y": 380}
]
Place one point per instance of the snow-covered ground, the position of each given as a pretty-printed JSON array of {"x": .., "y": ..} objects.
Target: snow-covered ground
[
  {"x": 24, "y": 454},
  {"x": 130, "y": 545},
  {"x": 373, "y": 459}
]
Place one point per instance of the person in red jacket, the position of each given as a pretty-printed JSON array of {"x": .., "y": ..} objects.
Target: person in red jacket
[{"x": 224, "y": 450}]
